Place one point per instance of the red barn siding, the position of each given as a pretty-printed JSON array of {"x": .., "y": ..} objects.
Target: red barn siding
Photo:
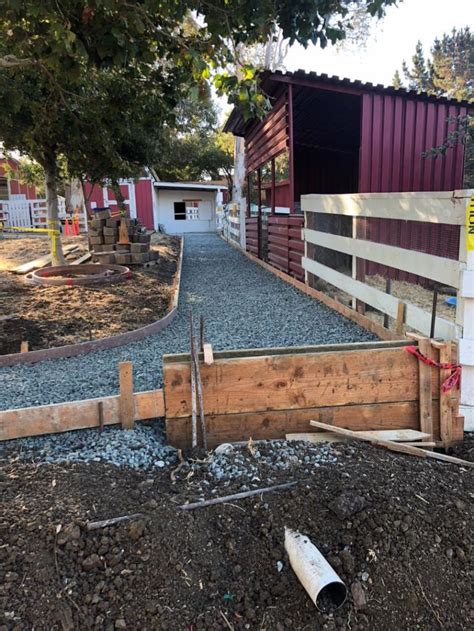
[
  {"x": 395, "y": 132},
  {"x": 269, "y": 137},
  {"x": 144, "y": 202}
]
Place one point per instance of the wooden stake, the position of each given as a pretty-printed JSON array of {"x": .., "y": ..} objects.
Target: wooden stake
[
  {"x": 388, "y": 290},
  {"x": 201, "y": 334},
  {"x": 24, "y": 346},
  {"x": 208, "y": 354},
  {"x": 425, "y": 396},
  {"x": 100, "y": 412},
  {"x": 193, "y": 387},
  {"x": 197, "y": 376},
  {"x": 433, "y": 312},
  {"x": 404, "y": 449},
  {"x": 445, "y": 410},
  {"x": 126, "y": 402},
  {"x": 400, "y": 318}
]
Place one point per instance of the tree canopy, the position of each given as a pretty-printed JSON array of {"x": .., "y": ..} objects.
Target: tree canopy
[{"x": 448, "y": 70}]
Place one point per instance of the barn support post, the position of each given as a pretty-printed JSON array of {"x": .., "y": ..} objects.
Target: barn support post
[
  {"x": 291, "y": 165},
  {"x": 465, "y": 317},
  {"x": 273, "y": 186},
  {"x": 259, "y": 223}
]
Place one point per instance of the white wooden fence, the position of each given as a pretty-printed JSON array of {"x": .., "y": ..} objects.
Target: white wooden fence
[
  {"x": 438, "y": 207},
  {"x": 28, "y": 213}
]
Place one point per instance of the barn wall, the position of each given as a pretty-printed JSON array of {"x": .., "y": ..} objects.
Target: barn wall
[
  {"x": 395, "y": 133},
  {"x": 269, "y": 137},
  {"x": 144, "y": 202}
]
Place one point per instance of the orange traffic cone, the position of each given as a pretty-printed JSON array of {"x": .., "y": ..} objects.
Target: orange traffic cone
[
  {"x": 66, "y": 227},
  {"x": 123, "y": 234}
]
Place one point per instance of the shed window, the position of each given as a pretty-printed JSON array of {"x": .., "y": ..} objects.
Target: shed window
[{"x": 179, "y": 211}]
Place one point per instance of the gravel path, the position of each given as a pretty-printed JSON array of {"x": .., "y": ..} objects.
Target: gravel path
[{"x": 244, "y": 306}]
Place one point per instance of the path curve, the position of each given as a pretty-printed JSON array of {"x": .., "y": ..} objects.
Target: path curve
[{"x": 244, "y": 307}]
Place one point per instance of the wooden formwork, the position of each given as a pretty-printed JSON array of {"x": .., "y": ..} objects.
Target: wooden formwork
[{"x": 268, "y": 393}]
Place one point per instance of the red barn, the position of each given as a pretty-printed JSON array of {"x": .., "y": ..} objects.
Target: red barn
[
  {"x": 12, "y": 188},
  {"x": 331, "y": 135}
]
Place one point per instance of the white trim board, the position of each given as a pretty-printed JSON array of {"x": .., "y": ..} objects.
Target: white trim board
[
  {"x": 415, "y": 317},
  {"x": 442, "y": 270},
  {"x": 437, "y": 207}
]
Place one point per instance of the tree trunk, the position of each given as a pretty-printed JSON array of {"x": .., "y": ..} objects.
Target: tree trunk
[
  {"x": 115, "y": 186},
  {"x": 53, "y": 211}
]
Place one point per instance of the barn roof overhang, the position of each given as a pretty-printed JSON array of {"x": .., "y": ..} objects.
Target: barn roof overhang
[
  {"x": 273, "y": 83},
  {"x": 190, "y": 186}
]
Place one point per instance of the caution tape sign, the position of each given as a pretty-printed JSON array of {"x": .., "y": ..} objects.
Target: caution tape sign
[{"x": 470, "y": 226}]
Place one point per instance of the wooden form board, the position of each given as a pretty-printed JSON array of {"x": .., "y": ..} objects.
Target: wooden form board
[
  {"x": 269, "y": 395},
  {"x": 63, "y": 417},
  {"x": 430, "y": 207},
  {"x": 415, "y": 317},
  {"x": 443, "y": 270}
]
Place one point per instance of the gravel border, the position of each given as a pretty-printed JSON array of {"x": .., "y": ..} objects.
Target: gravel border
[{"x": 244, "y": 306}]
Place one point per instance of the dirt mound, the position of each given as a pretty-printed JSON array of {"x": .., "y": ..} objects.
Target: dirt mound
[{"x": 398, "y": 530}]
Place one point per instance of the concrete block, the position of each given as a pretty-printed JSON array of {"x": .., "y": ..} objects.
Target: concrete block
[
  {"x": 96, "y": 223},
  {"x": 122, "y": 247},
  {"x": 103, "y": 213},
  {"x": 141, "y": 257},
  {"x": 123, "y": 258},
  {"x": 139, "y": 247}
]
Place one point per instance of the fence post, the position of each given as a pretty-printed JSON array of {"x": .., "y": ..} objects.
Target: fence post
[{"x": 465, "y": 317}]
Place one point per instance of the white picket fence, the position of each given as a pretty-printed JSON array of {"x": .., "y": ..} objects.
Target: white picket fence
[{"x": 28, "y": 213}]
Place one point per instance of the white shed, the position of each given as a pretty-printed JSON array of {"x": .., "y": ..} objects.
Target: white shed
[{"x": 186, "y": 206}]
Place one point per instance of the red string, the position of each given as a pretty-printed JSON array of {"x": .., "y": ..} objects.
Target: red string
[{"x": 450, "y": 382}]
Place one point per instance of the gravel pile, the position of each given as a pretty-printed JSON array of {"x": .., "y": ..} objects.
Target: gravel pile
[
  {"x": 141, "y": 448},
  {"x": 244, "y": 307},
  {"x": 144, "y": 448}
]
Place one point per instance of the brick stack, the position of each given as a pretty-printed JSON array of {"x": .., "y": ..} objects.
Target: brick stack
[{"x": 103, "y": 232}]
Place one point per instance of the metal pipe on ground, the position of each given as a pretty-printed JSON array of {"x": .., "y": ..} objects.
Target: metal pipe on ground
[{"x": 320, "y": 581}]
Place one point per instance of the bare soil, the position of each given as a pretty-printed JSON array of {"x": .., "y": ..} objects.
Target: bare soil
[
  {"x": 397, "y": 529},
  {"x": 54, "y": 316}
]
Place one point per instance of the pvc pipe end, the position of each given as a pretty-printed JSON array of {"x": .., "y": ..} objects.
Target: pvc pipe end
[{"x": 331, "y": 597}]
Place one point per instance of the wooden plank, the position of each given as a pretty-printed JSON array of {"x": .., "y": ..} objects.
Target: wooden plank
[
  {"x": 443, "y": 270},
  {"x": 82, "y": 259},
  {"x": 73, "y": 415},
  {"x": 396, "y": 435},
  {"x": 276, "y": 424},
  {"x": 126, "y": 402},
  {"x": 404, "y": 449},
  {"x": 415, "y": 317},
  {"x": 430, "y": 207},
  {"x": 400, "y": 321},
  {"x": 425, "y": 389},
  {"x": 24, "y": 346},
  {"x": 295, "y": 381},
  {"x": 42, "y": 261}
]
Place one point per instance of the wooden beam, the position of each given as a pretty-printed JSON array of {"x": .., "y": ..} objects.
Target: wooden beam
[
  {"x": 437, "y": 268},
  {"x": 415, "y": 317},
  {"x": 425, "y": 389},
  {"x": 429, "y": 207},
  {"x": 445, "y": 409},
  {"x": 275, "y": 424},
  {"x": 396, "y": 435},
  {"x": 400, "y": 321},
  {"x": 73, "y": 415},
  {"x": 295, "y": 381},
  {"x": 126, "y": 402},
  {"x": 24, "y": 347},
  {"x": 404, "y": 449}
]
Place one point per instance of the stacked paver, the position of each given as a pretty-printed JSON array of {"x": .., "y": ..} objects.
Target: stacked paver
[{"x": 107, "y": 246}]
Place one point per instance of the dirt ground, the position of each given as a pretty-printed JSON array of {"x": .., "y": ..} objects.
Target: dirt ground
[
  {"x": 397, "y": 529},
  {"x": 53, "y": 316}
]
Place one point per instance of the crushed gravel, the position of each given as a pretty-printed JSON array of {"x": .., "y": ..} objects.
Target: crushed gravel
[
  {"x": 244, "y": 307},
  {"x": 144, "y": 448}
]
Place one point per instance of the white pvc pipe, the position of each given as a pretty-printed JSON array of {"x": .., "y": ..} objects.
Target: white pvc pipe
[{"x": 321, "y": 582}]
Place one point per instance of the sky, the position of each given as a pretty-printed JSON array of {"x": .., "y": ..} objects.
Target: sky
[{"x": 393, "y": 39}]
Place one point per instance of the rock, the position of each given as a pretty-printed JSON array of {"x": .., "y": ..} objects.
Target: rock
[
  {"x": 348, "y": 503},
  {"x": 136, "y": 530},
  {"x": 450, "y": 553},
  {"x": 348, "y": 562},
  {"x": 120, "y": 624},
  {"x": 358, "y": 595},
  {"x": 91, "y": 562}
]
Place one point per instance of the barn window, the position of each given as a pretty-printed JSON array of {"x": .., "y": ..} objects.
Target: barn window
[
  {"x": 192, "y": 208},
  {"x": 179, "y": 211},
  {"x": 3, "y": 188}
]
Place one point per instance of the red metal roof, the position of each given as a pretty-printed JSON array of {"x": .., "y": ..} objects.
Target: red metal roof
[{"x": 272, "y": 82}]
